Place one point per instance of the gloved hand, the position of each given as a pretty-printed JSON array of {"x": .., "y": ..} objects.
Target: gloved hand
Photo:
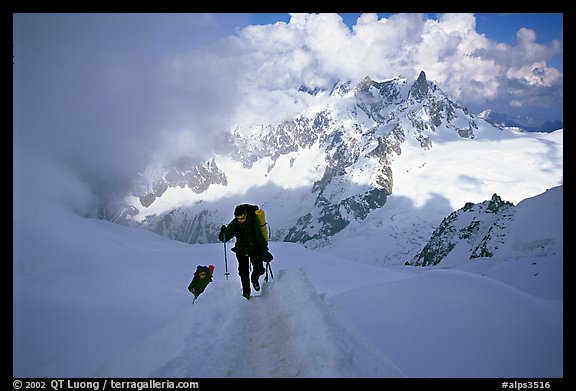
[
  {"x": 268, "y": 257},
  {"x": 222, "y": 233}
]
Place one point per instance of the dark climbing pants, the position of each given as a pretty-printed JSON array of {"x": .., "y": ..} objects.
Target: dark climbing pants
[{"x": 244, "y": 270}]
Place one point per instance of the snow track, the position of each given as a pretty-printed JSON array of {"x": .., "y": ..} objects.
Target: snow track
[{"x": 261, "y": 337}]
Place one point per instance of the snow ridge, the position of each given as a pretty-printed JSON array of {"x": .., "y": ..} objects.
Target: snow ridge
[{"x": 263, "y": 338}]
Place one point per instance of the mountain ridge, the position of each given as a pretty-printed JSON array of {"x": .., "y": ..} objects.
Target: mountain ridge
[{"x": 337, "y": 156}]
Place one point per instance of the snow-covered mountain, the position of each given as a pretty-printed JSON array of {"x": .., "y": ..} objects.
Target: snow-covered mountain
[
  {"x": 330, "y": 168},
  {"x": 503, "y": 120},
  {"x": 486, "y": 229}
]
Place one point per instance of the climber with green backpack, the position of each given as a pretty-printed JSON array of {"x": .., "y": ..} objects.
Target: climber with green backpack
[{"x": 251, "y": 245}]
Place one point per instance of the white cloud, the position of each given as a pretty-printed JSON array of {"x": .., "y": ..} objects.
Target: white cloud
[
  {"x": 536, "y": 74},
  {"x": 318, "y": 49}
]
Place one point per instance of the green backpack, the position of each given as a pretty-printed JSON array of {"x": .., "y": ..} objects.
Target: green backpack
[{"x": 202, "y": 277}]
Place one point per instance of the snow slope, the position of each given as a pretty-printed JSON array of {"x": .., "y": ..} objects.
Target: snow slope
[{"x": 97, "y": 299}]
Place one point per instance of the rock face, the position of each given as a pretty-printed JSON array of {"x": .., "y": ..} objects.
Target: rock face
[
  {"x": 356, "y": 131},
  {"x": 476, "y": 230},
  {"x": 185, "y": 172}
]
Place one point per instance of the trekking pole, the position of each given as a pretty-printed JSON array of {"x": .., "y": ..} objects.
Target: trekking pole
[
  {"x": 225, "y": 259},
  {"x": 271, "y": 274},
  {"x": 268, "y": 263}
]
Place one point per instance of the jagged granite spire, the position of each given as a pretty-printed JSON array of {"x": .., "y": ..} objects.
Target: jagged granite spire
[{"x": 419, "y": 89}]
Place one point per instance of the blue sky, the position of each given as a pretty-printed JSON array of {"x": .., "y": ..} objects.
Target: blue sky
[
  {"x": 499, "y": 26},
  {"x": 503, "y": 27}
]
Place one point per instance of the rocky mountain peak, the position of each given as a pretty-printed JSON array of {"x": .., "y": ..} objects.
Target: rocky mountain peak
[
  {"x": 475, "y": 230},
  {"x": 419, "y": 89}
]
